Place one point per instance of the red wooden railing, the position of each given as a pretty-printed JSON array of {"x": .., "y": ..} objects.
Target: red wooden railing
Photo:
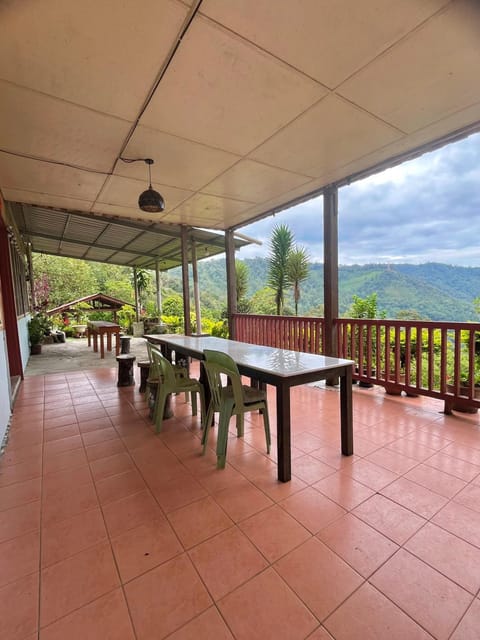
[
  {"x": 284, "y": 332},
  {"x": 436, "y": 359}
]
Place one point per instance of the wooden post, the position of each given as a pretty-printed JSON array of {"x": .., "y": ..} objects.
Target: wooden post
[
  {"x": 196, "y": 290},
  {"x": 135, "y": 285},
  {"x": 231, "y": 281},
  {"x": 330, "y": 272},
  {"x": 186, "y": 288},
  {"x": 158, "y": 281}
]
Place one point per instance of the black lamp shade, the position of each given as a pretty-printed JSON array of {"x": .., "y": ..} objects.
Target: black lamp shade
[{"x": 151, "y": 201}]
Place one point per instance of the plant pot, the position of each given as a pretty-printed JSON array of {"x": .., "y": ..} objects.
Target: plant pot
[
  {"x": 138, "y": 329},
  {"x": 79, "y": 330},
  {"x": 362, "y": 383},
  {"x": 36, "y": 349},
  {"x": 459, "y": 405}
]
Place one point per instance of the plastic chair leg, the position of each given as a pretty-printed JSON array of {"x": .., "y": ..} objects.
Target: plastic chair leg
[
  {"x": 266, "y": 424},
  {"x": 206, "y": 427},
  {"x": 161, "y": 400},
  {"x": 222, "y": 439},
  {"x": 194, "y": 403},
  {"x": 240, "y": 425}
]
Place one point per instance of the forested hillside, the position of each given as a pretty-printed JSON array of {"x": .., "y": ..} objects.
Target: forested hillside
[
  {"x": 435, "y": 291},
  {"x": 430, "y": 291}
]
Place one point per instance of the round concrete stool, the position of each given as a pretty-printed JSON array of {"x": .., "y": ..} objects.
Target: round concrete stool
[
  {"x": 125, "y": 370},
  {"x": 125, "y": 344},
  {"x": 144, "y": 366}
]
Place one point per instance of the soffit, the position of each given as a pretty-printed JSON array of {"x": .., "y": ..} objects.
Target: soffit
[{"x": 244, "y": 106}]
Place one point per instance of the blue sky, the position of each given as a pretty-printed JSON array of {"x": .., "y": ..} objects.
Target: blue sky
[{"x": 425, "y": 210}]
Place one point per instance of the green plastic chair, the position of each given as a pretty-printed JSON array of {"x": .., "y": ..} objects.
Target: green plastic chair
[
  {"x": 170, "y": 383},
  {"x": 230, "y": 397},
  {"x": 153, "y": 379}
]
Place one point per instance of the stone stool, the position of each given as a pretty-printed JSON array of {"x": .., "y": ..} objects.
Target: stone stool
[
  {"x": 144, "y": 366},
  {"x": 125, "y": 344},
  {"x": 125, "y": 370}
]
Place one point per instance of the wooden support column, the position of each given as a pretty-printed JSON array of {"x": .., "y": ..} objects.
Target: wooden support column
[
  {"x": 135, "y": 286},
  {"x": 158, "y": 281},
  {"x": 30, "y": 274},
  {"x": 231, "y": 280},
  {"x": 185, "y": 285},
  {"x": 330, "y": 271},
  {"x": 196, "y": 289}
]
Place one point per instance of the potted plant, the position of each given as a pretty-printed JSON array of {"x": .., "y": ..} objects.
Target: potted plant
[
  {"x": 38, "y": 327},
  {"x": 81, "y": 319}
]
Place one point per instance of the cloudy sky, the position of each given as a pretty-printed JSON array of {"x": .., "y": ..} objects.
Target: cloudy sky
[{"x": 426, "y": 210}]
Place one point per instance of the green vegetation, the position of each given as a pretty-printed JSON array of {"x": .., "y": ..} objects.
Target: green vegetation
[
  {"x": 403, "y": 291},
  {"x": 281, "y": 244},
  {"x": 38, "y": 327},
  {"x": 288, "y": 266},
  {"x": 297, "y": 272}
]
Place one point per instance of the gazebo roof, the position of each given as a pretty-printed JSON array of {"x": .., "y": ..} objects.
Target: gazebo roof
[{"x": 97, "y": 302}]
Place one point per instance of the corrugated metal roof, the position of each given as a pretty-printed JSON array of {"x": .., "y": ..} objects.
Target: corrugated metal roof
[{"x": 102, "y": 239}]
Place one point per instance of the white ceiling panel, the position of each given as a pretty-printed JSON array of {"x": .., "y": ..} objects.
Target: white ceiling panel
[
  {"x": 202, "y": 207},
  {"x": 455, "y": 122},
  {"x": 178, "y": 162},
  {"x": 244, "y": 106},
  {"x": 253, "y": 182},
  {"x": 102, "y": 54},
  {"x": 330, "y": 134},
  {"x": 223, "y": 92},
  {"x": 37, "y": 125},
  {"x": 46, "y": 199},
  {"x": 426, "y": 76},
  {"x": 48, "y": 178},
  {"x": 326, "y": 40}
]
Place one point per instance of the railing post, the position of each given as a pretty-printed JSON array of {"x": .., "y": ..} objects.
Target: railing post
[{"x": 330, "y": 272}]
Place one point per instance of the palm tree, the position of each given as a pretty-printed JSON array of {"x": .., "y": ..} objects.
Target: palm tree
[
  {"x": 143, "y": 281},
  {"x": 281, "y": 244},
  {"x": 241, "y": 273},
  {"x": 297, "y": 271}
]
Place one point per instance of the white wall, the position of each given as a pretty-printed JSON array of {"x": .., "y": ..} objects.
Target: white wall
[
  {"x": 5, "y": 390},
  {"x": 23, "y": 337},
  {"x": 5, "y": 409}
]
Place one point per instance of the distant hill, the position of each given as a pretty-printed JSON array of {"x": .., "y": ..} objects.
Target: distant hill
[{"x": 436, "y": 291}]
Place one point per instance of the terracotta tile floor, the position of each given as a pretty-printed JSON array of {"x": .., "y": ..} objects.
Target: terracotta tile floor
[{"x": 108, "y": 531}]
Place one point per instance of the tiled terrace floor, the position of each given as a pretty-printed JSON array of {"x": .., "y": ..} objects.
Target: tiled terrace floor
[{"x": 108, "y": 532}]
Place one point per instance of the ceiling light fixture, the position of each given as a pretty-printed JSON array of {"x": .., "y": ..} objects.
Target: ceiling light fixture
[{"x": 150, "y": 200}]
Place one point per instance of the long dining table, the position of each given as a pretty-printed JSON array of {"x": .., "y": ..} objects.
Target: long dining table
[{"x": 280, "y": 368}]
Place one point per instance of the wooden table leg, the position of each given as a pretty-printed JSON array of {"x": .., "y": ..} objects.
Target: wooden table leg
[
  {"x": 102, "y": 346},
  {"x": 109, "y": 340},
  {"x": 283, "y": 433},
  {"x": 346, "y": 412},
  {"x": 95, "y": 342}
]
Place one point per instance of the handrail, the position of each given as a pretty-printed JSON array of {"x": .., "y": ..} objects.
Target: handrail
[{"x": 435, "y": 359}]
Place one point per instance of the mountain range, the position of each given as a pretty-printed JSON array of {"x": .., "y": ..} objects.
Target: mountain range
[{"x": 433, "y": 291}]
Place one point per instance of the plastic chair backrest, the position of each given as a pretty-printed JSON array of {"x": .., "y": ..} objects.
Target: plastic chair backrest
[
  {"x": 164, "y": 368},
  {"x": 222, "y": 371},
  {"x": 150, "y": 348},
  {"x": 219, "y": 357}
]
